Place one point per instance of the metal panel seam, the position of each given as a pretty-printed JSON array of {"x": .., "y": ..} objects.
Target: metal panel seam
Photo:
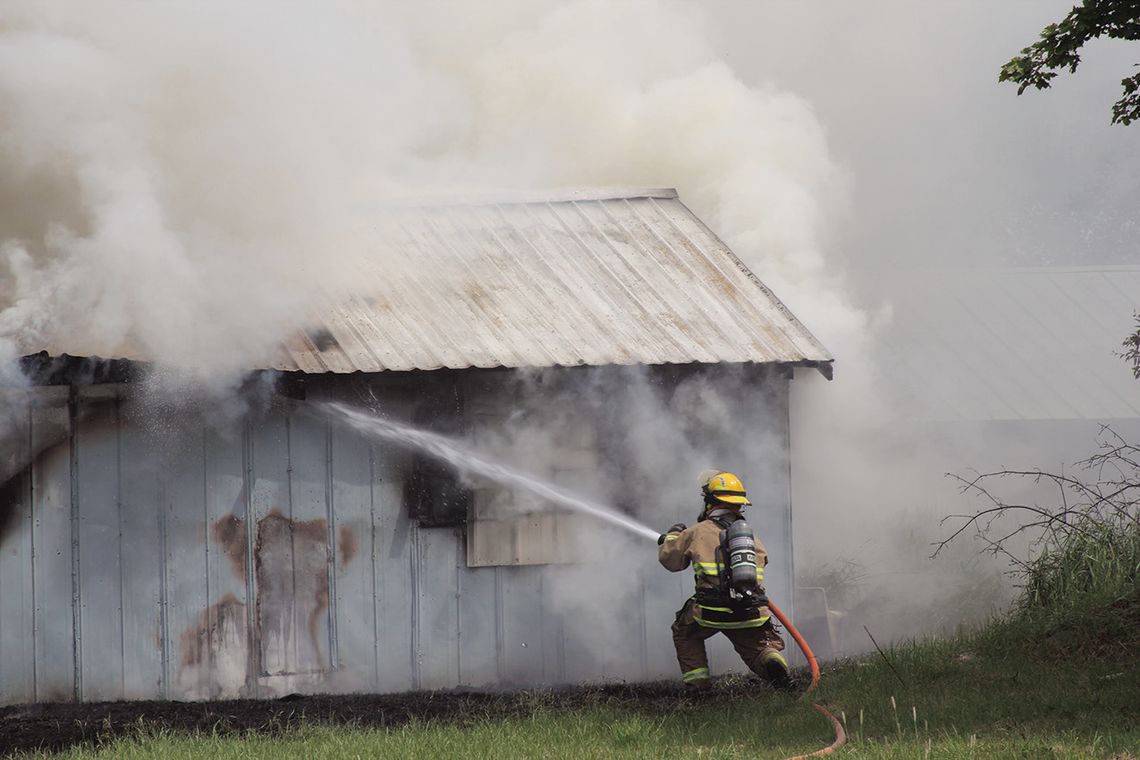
[
  {"x": 372, "y": 558},
  {"x": 253, "y": 648},
  {"x": 294, "y": 651},
  {"x": 460, "y": 562},
  {"x": 500, "y": 626},
  {"x": 76, "y": 591},
  {"x": 32, "y": 472},
  {"x": 163, "y": 592},
  {"x": 119, "y": 527},
  {"x": 790, "y": 548},
  {"x": 414, "y": 561},
  {"x": 210, "y": 621},
  {"x": 330, "y": 512},
  {"x": 643, "y": 620}
]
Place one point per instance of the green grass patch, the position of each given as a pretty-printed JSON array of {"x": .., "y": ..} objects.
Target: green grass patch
[{"x": 956, "y": 699}]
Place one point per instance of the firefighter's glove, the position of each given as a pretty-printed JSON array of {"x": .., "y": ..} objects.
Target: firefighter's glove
[{"x": 676, "y": 528}]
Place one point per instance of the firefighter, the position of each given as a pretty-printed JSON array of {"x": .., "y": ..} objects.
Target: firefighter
[{"x": 717, "y": 607}]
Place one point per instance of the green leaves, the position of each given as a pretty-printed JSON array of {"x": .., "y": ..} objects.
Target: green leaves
[
  {"x": 1125, "y": 111},
  {"x": 1059, "y": 45},
  {"x": 1131, "y": 344}
]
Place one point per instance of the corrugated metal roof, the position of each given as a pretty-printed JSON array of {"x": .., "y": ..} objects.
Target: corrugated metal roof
[
  {"x": 629, "y": 280},
  {"x": 579, "y": 280},
  {"x": 1013, "y": 344}
]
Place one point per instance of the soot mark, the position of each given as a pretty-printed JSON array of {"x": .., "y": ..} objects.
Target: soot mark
[{"x": 11, "y": 502}]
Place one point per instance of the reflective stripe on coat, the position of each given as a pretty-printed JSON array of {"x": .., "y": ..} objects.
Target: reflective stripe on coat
[{"x": 699, "y": 547}]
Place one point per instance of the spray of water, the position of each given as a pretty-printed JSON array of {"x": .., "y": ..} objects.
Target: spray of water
[{"x": 454, "y": 453}]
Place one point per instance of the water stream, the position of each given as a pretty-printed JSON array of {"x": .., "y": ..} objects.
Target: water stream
[{"x": 459, "y": 456}]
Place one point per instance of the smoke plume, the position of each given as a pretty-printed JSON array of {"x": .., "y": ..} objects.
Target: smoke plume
[{"x": 192, "y": 183}]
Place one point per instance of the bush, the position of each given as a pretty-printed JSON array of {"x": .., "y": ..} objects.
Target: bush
[
  {"x": 1081, "y": 581},
  {"x": 1096, "y": 563}
]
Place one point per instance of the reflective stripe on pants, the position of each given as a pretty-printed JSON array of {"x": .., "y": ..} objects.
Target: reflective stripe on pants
[
  {"x": 696, "y": 674},
  {"x": 756, "y": 645}
]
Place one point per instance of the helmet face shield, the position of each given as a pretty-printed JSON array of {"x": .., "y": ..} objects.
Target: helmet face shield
[{"x": 707, "y": 475}]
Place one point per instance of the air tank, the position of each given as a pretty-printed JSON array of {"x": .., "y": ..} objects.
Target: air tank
[{"x": 741, "y": 556}]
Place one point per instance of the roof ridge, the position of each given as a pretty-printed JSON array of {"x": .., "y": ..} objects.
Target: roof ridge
[{"x": 532, "y": 197}]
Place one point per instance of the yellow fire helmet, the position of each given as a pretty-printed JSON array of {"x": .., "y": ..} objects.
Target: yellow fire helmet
[{"x": 724, "y": 488}]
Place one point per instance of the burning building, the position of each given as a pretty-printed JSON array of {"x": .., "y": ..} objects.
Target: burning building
[{"x": 609, "y": 343}]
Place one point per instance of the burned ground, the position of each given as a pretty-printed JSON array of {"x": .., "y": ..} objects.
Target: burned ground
[{"x": 62, "y": 725}]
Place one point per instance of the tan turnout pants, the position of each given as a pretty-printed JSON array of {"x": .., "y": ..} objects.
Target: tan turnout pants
[{"x": 756, "y": 646}]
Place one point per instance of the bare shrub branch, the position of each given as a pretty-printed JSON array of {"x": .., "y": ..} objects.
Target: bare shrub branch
[{"x": 1096, "y": 502}]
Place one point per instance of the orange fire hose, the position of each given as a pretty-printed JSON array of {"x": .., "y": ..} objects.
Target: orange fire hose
[{"x": 840, "y": 734}]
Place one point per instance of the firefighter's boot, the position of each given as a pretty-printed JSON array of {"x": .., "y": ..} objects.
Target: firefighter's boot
[{"x": 775, "y": 669}]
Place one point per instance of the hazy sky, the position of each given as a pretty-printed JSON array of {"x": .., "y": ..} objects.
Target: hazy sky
[{"x": 948, "y": 166}]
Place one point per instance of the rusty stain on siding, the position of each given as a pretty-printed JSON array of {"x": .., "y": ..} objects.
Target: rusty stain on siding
[
  {"x": 347, "y": 546},
  {"x": 214, "y": 652},
  {"x": 229, "y": 533},
  {"x": 291, "y": 566},
  {"x": 198, "y": 641},
  {"x": 292, "y": 595}
]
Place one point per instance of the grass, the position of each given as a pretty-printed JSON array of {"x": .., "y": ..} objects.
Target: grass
[
  {"x": 581, "y": 737},
  {"x": 1059, "y": 677},
  {"x": 957, "y": 699},
  {"x": 1014, "y": 689}
]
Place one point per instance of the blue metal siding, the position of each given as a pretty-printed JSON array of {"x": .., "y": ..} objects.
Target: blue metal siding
[
  {"x": 187, "y": 573},
  {"x": 52, "y": 576},
  {"x": 100, "y": 556},
  {"x": 354, "y": 592},
  {"x": 17, "y": 601},
  {"x": 135, "y": 567}
]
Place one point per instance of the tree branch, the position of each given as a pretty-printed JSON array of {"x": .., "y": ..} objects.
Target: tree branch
[{"x": 1059, "y": 48}]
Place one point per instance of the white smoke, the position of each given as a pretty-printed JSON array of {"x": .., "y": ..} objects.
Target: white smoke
[
  {"x": 183, "y": 183},
  {"x": 187, "y": 183},
  {"x": 191, "y": 183}
]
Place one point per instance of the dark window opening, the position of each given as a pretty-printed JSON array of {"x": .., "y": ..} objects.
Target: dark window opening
[{"x": 435, "y": 493}]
